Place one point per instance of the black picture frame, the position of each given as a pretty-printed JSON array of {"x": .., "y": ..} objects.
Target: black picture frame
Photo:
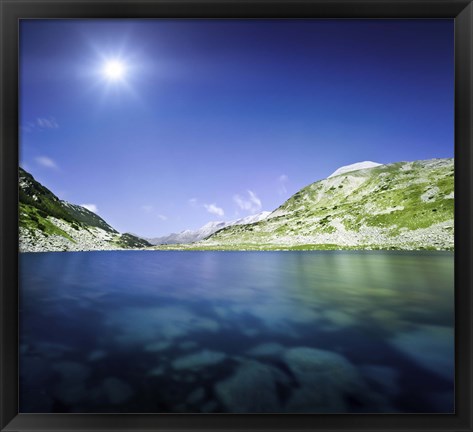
[{"x": 13, "y": 10}]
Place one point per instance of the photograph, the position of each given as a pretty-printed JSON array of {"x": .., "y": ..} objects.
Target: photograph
[{"x": 236, "y": 216}]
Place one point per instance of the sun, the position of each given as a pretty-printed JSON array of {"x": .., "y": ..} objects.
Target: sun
[{"x": 114, "y": 70}]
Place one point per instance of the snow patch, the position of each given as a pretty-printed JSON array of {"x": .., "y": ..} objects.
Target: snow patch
[{"x": 354, "y": 167}]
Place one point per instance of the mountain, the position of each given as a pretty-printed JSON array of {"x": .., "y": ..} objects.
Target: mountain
[
  {"x": 404, "y": 205},
  {"x": 192, "y": 236},
  {"x": 50, "y": 224}
]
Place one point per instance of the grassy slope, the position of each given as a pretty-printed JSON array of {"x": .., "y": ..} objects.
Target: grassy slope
[
  {"x": 38, "y": 205},
  {"x": 34, "y": 219},
  {"x": 34, "y": 194},
  {"x": 372, "y": 207},
  {"x": 130, "y": 241}
]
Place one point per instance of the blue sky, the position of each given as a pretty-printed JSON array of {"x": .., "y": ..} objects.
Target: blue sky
[{"x": 219, "y": 119}]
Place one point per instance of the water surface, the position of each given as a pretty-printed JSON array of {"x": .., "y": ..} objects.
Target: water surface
[{"x": 164, "y": 331}]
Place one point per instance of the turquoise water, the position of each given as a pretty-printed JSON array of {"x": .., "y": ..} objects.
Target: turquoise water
[{"x": 163, "y": 331}]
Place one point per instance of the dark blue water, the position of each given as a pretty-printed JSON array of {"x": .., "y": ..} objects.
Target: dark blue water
[{"x": 163, "y": 331}]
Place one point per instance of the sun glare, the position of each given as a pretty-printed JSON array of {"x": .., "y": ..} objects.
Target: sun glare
[{"x": 114, "y": 70}]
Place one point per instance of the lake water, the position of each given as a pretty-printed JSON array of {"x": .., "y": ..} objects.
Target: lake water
[{"x": 164, "y": 331}]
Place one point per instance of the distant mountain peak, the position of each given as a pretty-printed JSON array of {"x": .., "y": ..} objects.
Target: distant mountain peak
[
  {"x": 192, "y": 236},
  {"x": 354, "y": 167}
]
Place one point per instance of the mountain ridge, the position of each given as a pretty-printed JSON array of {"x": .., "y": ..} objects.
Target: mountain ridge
[
  {"x": 366, "y": 205},
  {"x": 192, "y": 236},
  {"x": 403, "y": 205},
  {"x": 47, "y": 223}
]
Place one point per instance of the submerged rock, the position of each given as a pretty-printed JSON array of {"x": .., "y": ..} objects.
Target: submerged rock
[
  {"x": 116, "y": 390},
  {"x": 158, "y": 371},
  {"x": 383, "y": 377},
  {"x": 250, "y": 332},
  {"x": 340, "y": 319},
  {"x": 72, "y": 371},
  {"x": 198, "y": 360},
  {"x": 309, "y": 364},
  {"x": 187, "y": 345},
  {"x": 157, "y": 346},
  {"x": 96, "y": 355},
  {"x": 325, "y": 379},
  {"x": 209, "y": 407},
  {"x": 267, "y": 350},
  {"x": 196, "y": 396},
  {"x": 146, "y": 325},
  {"x": 51, "y": 350},
  {"x": 323, "y": 399},
  {"x": 432, "y": 347},
  {"x": 252, "y": 389}
]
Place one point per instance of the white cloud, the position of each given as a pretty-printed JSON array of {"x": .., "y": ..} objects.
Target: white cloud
[
  {"x": 46, "y": 162},
  {"x": 212, "y": 208},
  {"x": 40, "y": 123},
  {"x": 91, "y": 207},
  {"x": 47, "y": 123},
  {"x": 283, "y": 179},
  {"x": 162, "y": 217},
  {"x": 252, "y": 204}
]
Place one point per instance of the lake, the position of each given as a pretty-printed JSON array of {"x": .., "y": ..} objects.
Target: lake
[{"x": 180, "y": 331}]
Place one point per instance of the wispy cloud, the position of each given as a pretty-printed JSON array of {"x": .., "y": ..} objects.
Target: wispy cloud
[
  {"x": 162, "y": 217},
  {"x": 41, "y": 123},
  {"x": 283, "y": 179},
  {"x": 251, "y": 204},
  {"x": 212, "y": 208},
  {"x": 46, "y": 162},
  {"x": 47, "y": 123},
  {"x": 91, "y": 207}
]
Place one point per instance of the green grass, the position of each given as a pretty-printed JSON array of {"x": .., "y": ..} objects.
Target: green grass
[
  {"x": 130, "y": 241},
  {"x": 384, "y": 187},
  {"x": 272, "y": 247},
  {"x": 32, "y": 219},
  {"x": 36, "y": 195}
]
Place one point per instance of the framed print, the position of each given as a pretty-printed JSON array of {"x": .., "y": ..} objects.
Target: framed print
[{"x": 228, "y": 216}]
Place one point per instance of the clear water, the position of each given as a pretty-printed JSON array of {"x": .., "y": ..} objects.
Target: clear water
[{"x": 162, "y": 331}]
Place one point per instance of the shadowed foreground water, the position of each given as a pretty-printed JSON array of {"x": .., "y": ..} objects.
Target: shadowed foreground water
[{"x": 163, "y": 331}]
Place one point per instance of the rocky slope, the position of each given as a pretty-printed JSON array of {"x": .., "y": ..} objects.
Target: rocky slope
[
  {"x": 47, "y": 223},
  {"x": 404, "y": 205}
]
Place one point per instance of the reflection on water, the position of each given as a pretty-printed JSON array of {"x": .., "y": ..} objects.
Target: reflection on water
[{"x": 166, "y": 331}]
